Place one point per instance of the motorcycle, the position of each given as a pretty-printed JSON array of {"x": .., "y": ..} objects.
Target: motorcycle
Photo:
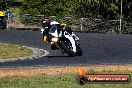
[
  {"x": 63, "y": 40},
  {"x": 3, "y": 22}
]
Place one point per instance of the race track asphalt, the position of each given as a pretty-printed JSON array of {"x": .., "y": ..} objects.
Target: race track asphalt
[{"x": 97, "y": 49}]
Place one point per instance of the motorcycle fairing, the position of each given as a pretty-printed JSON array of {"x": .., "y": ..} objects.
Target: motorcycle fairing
[{"x": 70, "y": 38}]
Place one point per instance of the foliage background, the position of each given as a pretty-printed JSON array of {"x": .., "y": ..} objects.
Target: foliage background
[
  {"x": 73, "y": 9},
  {"x": 104, "y": 9}
]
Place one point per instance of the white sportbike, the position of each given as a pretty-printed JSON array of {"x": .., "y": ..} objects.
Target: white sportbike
[{"x": 63, "y": 40}]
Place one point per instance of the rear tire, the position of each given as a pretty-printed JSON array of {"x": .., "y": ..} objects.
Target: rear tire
[
  {"x": 65, "y": 45},
  {"x": 79, "y": 51}
]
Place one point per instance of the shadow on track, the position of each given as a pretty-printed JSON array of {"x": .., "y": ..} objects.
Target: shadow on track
[{"x": 57, "y": 56}]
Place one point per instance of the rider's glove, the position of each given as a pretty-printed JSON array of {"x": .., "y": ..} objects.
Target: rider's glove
[{"x": 42, "y": 30}]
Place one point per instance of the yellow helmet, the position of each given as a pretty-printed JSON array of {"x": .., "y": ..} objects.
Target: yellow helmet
[
  {"x": 2, "y": 13},
  {"x": 64, "y": 25}
]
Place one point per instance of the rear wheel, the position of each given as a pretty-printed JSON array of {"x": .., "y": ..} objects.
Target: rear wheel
[
  {"x": 67, "y": 46},
  {"x": 79, "y": 51}
]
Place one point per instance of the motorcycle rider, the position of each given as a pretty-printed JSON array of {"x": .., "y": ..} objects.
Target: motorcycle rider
[
  {"x": 45, "y": 27},
  {"x": 66, "y": 26}
]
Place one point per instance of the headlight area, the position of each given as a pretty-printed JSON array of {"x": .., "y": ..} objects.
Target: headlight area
[{"x": 54, "y": 39}]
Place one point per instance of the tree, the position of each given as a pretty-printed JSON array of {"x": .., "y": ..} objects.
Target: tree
[
  {"x": 46, "y": 7},
  {"x": 105, "y": 9},
  {"x": 127, "y": 9},
  {"x": 85, "y": 8},
  {"x": 56, "y": 8}
]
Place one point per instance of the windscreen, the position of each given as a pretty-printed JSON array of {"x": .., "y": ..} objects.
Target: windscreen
[{"x": 54, "y": 27}]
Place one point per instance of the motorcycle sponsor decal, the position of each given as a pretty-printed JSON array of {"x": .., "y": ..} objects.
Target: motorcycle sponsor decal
[{"x": 102, "y": 78}]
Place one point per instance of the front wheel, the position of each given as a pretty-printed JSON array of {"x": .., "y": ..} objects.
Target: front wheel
[{"x": 67, "y": 46}]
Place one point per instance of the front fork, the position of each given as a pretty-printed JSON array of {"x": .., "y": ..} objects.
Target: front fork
[
  {"x": 57, "y": 46},
  {"x": 53, "y": 46}
]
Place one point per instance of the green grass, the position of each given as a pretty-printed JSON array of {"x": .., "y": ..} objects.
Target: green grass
[
  {"x": 53, "y": 81},
  {"x": 13, "y": 51}
]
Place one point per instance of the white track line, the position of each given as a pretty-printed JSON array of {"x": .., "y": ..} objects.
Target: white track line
[{"x": 37, "y": 53}]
